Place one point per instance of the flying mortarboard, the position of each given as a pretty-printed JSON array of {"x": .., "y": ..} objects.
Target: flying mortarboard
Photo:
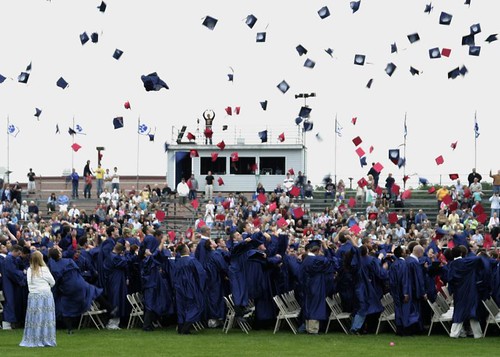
[
  {"x": 357, "y": 140},
  {"x": 308, "y": 125},
  {"x": 152, "y": 82},
  {"x": 362, "y": 182},
  {"x": 454, "y": 73},
  {"x": 394, "y": 47},
  {"x": 295, "y": 191},
  {"x": 360, "y": 152},
  {"x": 355, "y": 5},
  {"x": 190, "y": 136},
  {"x": 355, "y": 229},
  {"x": 237, "y": 110},
  {"x": 371, "y": 149},
  {"x": 423, "y": 180},
  {"x": 291, "y": 171},
  {"x": 208, "y": 133},
  {"x": 414, "y": 37},
  {"x": 76, "y": 147},
  {"x": 84, "y": 38},
  {"x": 23, "y": 77},
  {"x": 395, "y": 189},
  {"x": 272, "y": 206},
  {"x": 304, "y": 112},
  {"x": 260, "y": 37},
  {"x": 324, "y": 12},
  {"x": 390, "y": 68},
  {"x": 94, "y": 37},
  {"x": 393, "y": 217},
  {"x": 463, "y": 70},
  {"x": 352, "y": 202},
  {"x": 406, "y": 178},
  {"x": 193, "y": 153},
  {"x": 478, "y": 209},
  {"x": 117, "y": 54},
  {"x": 283, "y": 87},
  {"x": 195, "y": 205},
  {"x": 234, "y": 156},
  {"x": 453, "y": 177},
  {"x": 298, "y": 120},
  {"x": 329, "y": 51},
  {"x": 475, "y": 28},
  {"x": 250, "y": 20},
  {"x": 453, "y": 206},
  {"x": 263, "y": 136},
  {"x": 431, "y": 190},
  {"x": 369, "y": 84},
  {"x": 406, "y": 194},
  {"x": 61, "y": 83},
  {"x": 2, "y": 78},
  {"x": 298, "y": 213},
  {"x": 378, "y": 167},
  {"x": 151, "y": 136},
  {"x": 229, "y": 110},
  {"x": 414, "y": 71},
  {"x": 214, "y": 156},
  {"x": 468, "y": 40},
  {"x": 262, "y": 198},
  {"x": 282, "y": 222},
  {"x": 224, "y": 127},
  {"x": 118, "y": 122},
  {"x": 263, "y": 105},
  {"x": 253, "y": 167},
  {"x": 102, "y": 7},
  {"x": 309, "y": 63},
  {"x": 439, "y": 160},
  {"x": 481, "y": 218},
  {"x": 354, "y": 120},
  {"x": 446, "y": 52},
  {"x": 428, "y": 8},
  {"x": 474, "y": 50},
  {"x": 435, "y": 52},
  {"x": 445, "y": 18},
  {"x": 454, "y": 145},
  {"x": 220, "y": 181},
  {"x": 209, "y": 22},
  {"x": 362, "y": 161},
  {"x": 71, "y": 131},
  {"x": 301, "y": 50},
  {"x": 359, "y": 59},
  {"x": 491, "y": 38},
  {"x": 38, "y": 112},
  {"x": 126, "y": 105},
  {"x": 281, "y": 137},
  {"x": 221, "y": 145},
  {"x": 447, "y": 200}
]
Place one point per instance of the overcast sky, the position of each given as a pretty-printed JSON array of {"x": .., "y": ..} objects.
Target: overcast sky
[{"x": 167, "y": 37}]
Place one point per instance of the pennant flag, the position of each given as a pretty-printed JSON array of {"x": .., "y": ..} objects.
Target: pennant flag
[
  {"x": 220, "y": 181},
  {"x": 221, "y": 145},
  {"x": 281, "y": 137},
  {"x": 76, "y": 147},
  {"x": 12, "y": 130},
  {"x": 143, "y": 129},
  {"x": 38, "y": 112},
  {"x": 401, "y": 162},
  {"x": 214, "y": 156},
  {"x": 394, "y": 156},
  {"x": 153, "y": 83},
  {"x": 476, "y": 128},
  {"x": 354, "y": 120}
]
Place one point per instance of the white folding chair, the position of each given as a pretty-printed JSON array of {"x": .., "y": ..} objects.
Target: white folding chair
[
  {"x": 388, "y": 315},
  {"x": 286, "y": 311},
  {"x": 493, "y": 314},
  {"x": 441, "y": 315},
  {"x": 231, "y": 317},
  {"x": 446, "y": 294},
  {"x": 337, "y": 313},
  {"x": 93, "y": 314}
]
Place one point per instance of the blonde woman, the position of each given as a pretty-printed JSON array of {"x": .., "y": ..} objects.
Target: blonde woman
[{"x": 40, "y": 323}]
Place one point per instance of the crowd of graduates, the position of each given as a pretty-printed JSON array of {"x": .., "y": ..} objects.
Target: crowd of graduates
[{"x": 264, "y": 246}]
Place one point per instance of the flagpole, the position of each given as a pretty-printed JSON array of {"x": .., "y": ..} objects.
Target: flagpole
[
  {"x": 8, "y": 151},
  {"x": 404, "y": 154},
  {"x": 335, "y": 151},
  {"x": 138, "y": 141},
  {"x": 475, "y": 139}
]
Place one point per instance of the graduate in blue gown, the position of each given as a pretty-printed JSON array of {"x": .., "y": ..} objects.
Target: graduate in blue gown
[
  {"x": 347, "y": 272},
  {"x": 417, "y": 282},
  {"x": 189, "y": 282},
  {"x": 217, "y": 281},
  {"x": 14, "y": 280},
  {"x": 105, "y": 249}
]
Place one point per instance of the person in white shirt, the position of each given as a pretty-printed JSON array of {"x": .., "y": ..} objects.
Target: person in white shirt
[
  {"x": 494, "y": 222},
  {"x": 495, "y": 204},
  {"x": 73, "y": 212},
  {"x": 115, "y": 180},
  {"x": 183, "y": 191},
  {"x": 288, "y": 183},
  {"x": 40, "y": 323}
]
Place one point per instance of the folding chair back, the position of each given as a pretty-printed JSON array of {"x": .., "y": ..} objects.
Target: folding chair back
[
  {"x": 334, "y": 303},
  {"x": 493, "y": 314}
]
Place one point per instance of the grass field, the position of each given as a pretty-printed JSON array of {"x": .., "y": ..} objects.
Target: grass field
[{"x": 90, "y": 342}]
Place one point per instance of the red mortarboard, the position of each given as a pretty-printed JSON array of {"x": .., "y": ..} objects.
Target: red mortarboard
[
  {"x": 193, "y": 153},
  {"x": 355, "y": 229},
  {"x": 76, "y": 147},
  {"x": 295, "y": 191},
  {"x": 488, "y": 241},
  {"x": 229, "y": 111},
  {"x": 378, "y": 167},
  {"x": 467, "y": 193},
  {"x": 482, "y": 218},
  {"x": 353, "y": 120},
  {"x": 447, "y": 200},
  {"x": 298, "y": 213},
  {"x": 352, "y": 202},
  {"x": 393, "y": 217},
  {"x": 160, "y": 215},
  {"x": 214, "y": 156},
  {"x": 371, "y": 149},
  {"x": 208, "y": 133},
  {"x": 189, "y": 233},
  {"x": 171, "y": 235},
  {"x": 342, "y": 208},
  {"x": 237, "y": 110},
  {"x": 362, "y": 182},
  {"x": 262, "y": 198},
  {"x": 406, "y": 194},
  {"x": 126, "y": 105},
  {"x": 195, "y": 204},
  {"x": 453, "y": 176},
  {"x": 234, "y": 156},
  {"x": 281, "y": 137},
  {"x": 451, "y": 244},
  {"x": 281, "y": 222},
  {"x": 272, "y": 207},
  {"x": 454, "y": 145},
  {"x": 378, "y": 190},
  {"x": 190, "y": 136},
  {"x": 220, "y": 181},
  {"x": 372, "y": 216},
  {"x": 357, "y": 140},
  {"x": 219, "y": 217},
  {"x": 291, "y": 172},
  {"x": 446, "y": 52},
  {"x": 360, "y": 152},
  {"x": 439, "y": 160},
  {"x": 395, "y": 189},
  {"x": 478, "y": 209},
  {"x": 431, "y": 189},
  {"x": 256, "y": 222},
  {"x": 221, "y": 145},
  {"x": 201, "y": 223},
  {"x": 226, "y": 204},
  {"x": 453, "y": 206}
]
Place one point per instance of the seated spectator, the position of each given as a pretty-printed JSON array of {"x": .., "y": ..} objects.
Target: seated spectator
[{"x": 308, "y": 190}]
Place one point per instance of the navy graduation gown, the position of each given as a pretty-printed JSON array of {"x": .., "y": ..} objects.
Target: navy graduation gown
[
  {"x": 189, "y": 282},
  {"x": 14, "y": 282},
  {"x": 105, "y": 250},
  {"x": 237, "y": 273},
  {"x": 157, "y": 295},
  {"x": 399, "y": 283},
  {"x": 369, "y": 287},
  {"x": 417, "y": 284},
  {"x": 216, "y": 268},
  {"x": 115, "y": 270}
]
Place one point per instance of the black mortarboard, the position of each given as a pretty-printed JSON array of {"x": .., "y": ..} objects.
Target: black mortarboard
[
  {"x": 151, "y": 137},
  {"x": 71, "y": 131},
  {"x": 263, "y": 105},
  {"x": 304, "y": 112},
  {"x": 390, "y": 68},
  {"x": 57, "y": 129},
  {"x": 61, "y": 83},
  {"x": 309, "y": 63},
  {"x": 359, "y": 60},
  {"x": 475, "y": 28},
  {"x": 454, "y": 73},
  {"x": 38, "y": 112},
  {"x": 94, "y": 37},
  {"x": 261, "y": 37},
  {"x": 463, "y": 70},
  {"x": 428, "y": 8},
  {"x": 250, "y": 21},
  {"x": 263, "y": 136},
  {"x": 84, "y": 38},
  {"x": 467, "y": 2},
  {"x": 301, "y": 50},
  {"x": 369, "y": 84},
  {"x": 152, "y": 82},
  {"x": 324, "y": 12},
  {"x": 329, "y": 51},
  {"x": 2, "y": 78},
  {"x": 435, "y": 52},
  {"x": 355, "y": 5},
  {"x": 394, "y": 47},
  {"x": 468, "y": 40},
  {"x": 414, "y": 71},
  {"x": 414, "y": 37},
  {"x": 118, "y": 122},
  {"x": 491, "y": 38},
  {"x": 283, "y": 86},
  {"x": 209, "y": 22},
  {"x": 308, "y": 125},
  {"x": 117, "y": 54},
  {"x": 474, "y": 50},
  {"x": 102, "y": 7},
  {"x": 28, "y": 67},
  {"x": 230, "y": 77},
  {"x": 224, "y": 127},
  {"x": 445, "y": 18},
  {"x": 23, "y": 77},
  {"x": 362, "y": 161},
  {"x": 298, "y": 120},
  {"x": 313, "y": 243}
]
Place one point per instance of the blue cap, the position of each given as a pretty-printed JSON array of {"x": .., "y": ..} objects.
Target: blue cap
[
  {"x": 355, "y": 5},
  {"x": 250, "y": 21},
  {"x": 283, "y": 86},
  {"x": 309, "y": 63},
  {"x": 445, "y": 18},
  {"x": 117, "y": 54},
  {"x": 394, "y": 47},
  {"x": 209, "y": 22},
  {"x": 491, "y": 38},
  {"x": 263, "y": 136},
  {"x": 263, "y": 105},
  {"x": 475, "y": 28},
  {"x": 329, "y": 51},
  {"x": 390, "y": 68},
  {"x": 118, "y": 122},
  {"x": 435, "y": 52},
  {"x": 324, "y": 12},
  {"x": 474, "y": 50},
  {"x": 414, "y": 37},
  {"x": 304, "y": 112},
  {"x": 84, "y": 38},
  {"x": 102, "y": 7},
  {"x": 308, "y": 125},
  {"x": 38, "y": 112},
  {"x": 94, "y": 37},
  {"x": 301, "y": 50},
  {"x": 23, "y": 77},
  {"x": 359, "y": 60},
  {"x": 261, "y": 37},
  {"x": 61, "y": 83},
  {"x": 153, "y": 83},
  {"x": 414, "y": 71}
]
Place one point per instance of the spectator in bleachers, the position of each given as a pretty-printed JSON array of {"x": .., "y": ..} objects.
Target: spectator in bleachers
[{"x": 474, "y": 175}]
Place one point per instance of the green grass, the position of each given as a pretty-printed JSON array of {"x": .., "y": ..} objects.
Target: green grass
[{"x": 90, "y": 342}]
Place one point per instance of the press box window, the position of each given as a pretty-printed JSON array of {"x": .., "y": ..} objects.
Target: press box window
[
  {"x": 218, "y": 167},
  {"x": 272, "y": 165},
  {"x": 243, "y": 166}
]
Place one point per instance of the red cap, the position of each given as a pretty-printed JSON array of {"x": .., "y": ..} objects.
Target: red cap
[
  {"x": 439, "y": 160},
  {"x": 447, "y": 200},
  {"x": 395, "y": 189},
  {"x": 352, "y": 202},
  {"x": 126, "y": 105},
  {"x": 453, "y": 206},
  {"x": 393, "y": 217},
  {"x": 357, "y": 140},
  {"x": 295, "y": 191},
  {"x": 355, "y": 229},
  {"x": 234, "y": 156},
  {"x": 76, "y": 147},
  {"x": 189, "y": 233},
  {"x": 282, "y": 222},
  {"x": 453, "y": 176},
  {"x": 360, "y": 152},
  {"x": 226, "y": 204},
  {"x": 262, "y": 198},
  {"x": 454, "y": 145},
  {"x": 406, "y": 194},
  {"x": 354, "y": 120},
  {"x": 371, "y": 149},
  {"x": 221, "y": 145},
  {"x": 171, "y": 235},
  {"x": 482, "y": 218},
  {"x": 431, "y": 189},
  {"x": 291, "y": 172},
  {"x": 195, "y": 204},
  {"x": 256, "y": 222},
  {"x": 201, "y": 223},
  {"x": 219, "y": 217},
  {"x": 237, "y": 110},
  {"x": 372, "y": 216},
  {"x": 478, "y": 209},
  {"x": 229, "y": 111},
  {"x": 281, "y": 137},
  {"x": 220, "y": 181},
  {"x": 193, "y": 153},
  {"x": 272, "y": 207},
  {"x": 362, "y": 182},
  {"x": 190, "y": 136},
  {"x": 214, "y": 156},
  {"x": 467, "y": 193},
  {"x": 298, "y": 213},
  {"x": 160, "y": 215},
  {"x": 378, "y": 190},
  {"x": 378, "y": 167},
  {"x": 446, "y": 52}
]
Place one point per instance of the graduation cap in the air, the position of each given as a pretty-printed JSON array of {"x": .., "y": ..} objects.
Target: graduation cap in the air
[
  {"x": 193, "y": 153},
  {"x": 352, "y": 202},
  {"x": 263, "y": 136},
  {"x": 307, "y": 125},
  {"x": 2, "y": 78},
  {"x": 229, "y": 110},
  {"x": 447, "y": 200},
  {"x": 454, "y": 145},
  {"x": 253, "y": 167},
  {"x": 491, "y": 38},
  {"x": 281, "y": 137},
  {"x": 360, "y": 152},
  {"x": 453, "y": 177},
  {"x": 151, "y": 136},
  {"x": 359, "y": 59},
  {"x": 475, "y": 28},
  {"x": 406, "y": 194},
  {"x": 94, "y": 37},
  {"x": 190, "y": 136},
  {"x": 428, "y": 8},
  {"x": 371, "y": 149},
  {"x": 209, "y": 22},
  {"x": 272, "y": 206},
  {"x": 354, "y": 120},
  {"x": 463, "y": 70},
  {"x": 301, "y": 50},
  {"x": 294, "y": 191},
  {"x": 401, "y": 162},
  {"x": 71, "y": 131},
  {"x": 283, "y": 86},
  {"x": 394, "y": 47},
  {"x": 230, "y": 76},
  {"x": 224, "y": 127},
  {"x": 118, "y": 122},
  {"x": 378, "y": 167},
  {"x": 298, "y": 212},
  {"x": 250, "y": 21},
  {"x": 235, "y": 157},
  {"x": 76, "y": 147},
  {"x": 102, "y": 7},
  {"x": 395, "y": 189},
  {"x": 221, "y": 145},
  {"x": 393, "y": 217},
  {"x": 260, "y": 37},
  {"x": 446, "y": 52},
  {"x": 454, "y": 73},
  {"x": 318, "y": 137},
  {"x": 23, "y": 77},
  {"x": 435, "y": 52},
  {"x": 117, "y": 54},
  {"x": 324, "y": 12},
  {"x": 369, "y": 84},
  {"x": 394, "y": 156},
  {"x": 468, "y": 40},
  {"x": 84, "y": 38},
  {"x": 362, "y": 161},
  {"x": 414, "y": 37},
  {"x": 291, "y": 171},
  {"x": 357, "y": 140},
  {"x": 152, "y": 82},
  {"x": 298, "y": 120},
  {"x": 214, "y": 156},
  {"x": 474, "y": 50},
  {"x": 439, "y": 160},
  {"x": 195, "y": 205},
  {"x": 126, "y": 105},
  {"x": 329, "y": 51},
  {"x": 304, "y": 112},
  {"x": 431, "y": 190},
  {"x": 309, "y": 63},
  {"x": 414, "y": 71},
  {"x": 237, "y": 110},
  {"x": 263, "y": 105},
  {"x": 220, "y": 181},
  {"x": 423, "y": 181},
  {"x": 406, "y": 178},
  {"x": 390, "y": 68},
  {"x": 61, "y": 83},
  {"x": 445, "y": 18},
  {"x": 38, "y": 112},
  {"x": 355, "y": 5}
]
